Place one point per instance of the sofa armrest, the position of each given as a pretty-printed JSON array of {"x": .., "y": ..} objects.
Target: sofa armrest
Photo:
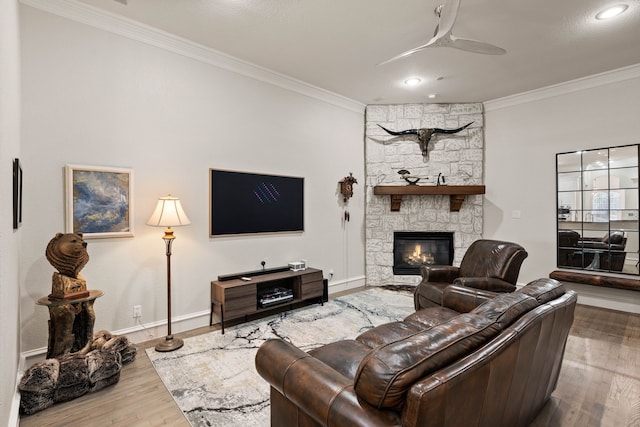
[
  {"x": 463, "y": 299},
  {"x": 602, "y": 246},
  {"x": 318, "y": 390},
  {"x": 590, "y": 239},
  {"x": 439, "y": 273},
  {"x": 487, "y": 283}
]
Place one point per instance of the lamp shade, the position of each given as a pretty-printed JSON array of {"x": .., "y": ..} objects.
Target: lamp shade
[{"x": 168, "y": 213}]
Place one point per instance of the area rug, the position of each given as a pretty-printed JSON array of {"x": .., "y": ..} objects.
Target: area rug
[{"x": 213, "y": 377}]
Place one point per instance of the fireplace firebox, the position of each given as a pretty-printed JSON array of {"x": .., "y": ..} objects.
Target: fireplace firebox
[{"x": 413, "y": 249}]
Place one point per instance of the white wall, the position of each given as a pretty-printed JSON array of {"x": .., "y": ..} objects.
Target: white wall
[
  {"x": 92, "y": 97},
  {"x": 9, "y": 239},
  {"x": 523, "y": 134}
]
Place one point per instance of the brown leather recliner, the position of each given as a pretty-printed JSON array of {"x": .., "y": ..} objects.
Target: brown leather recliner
[{"x": 491, "y": 266}]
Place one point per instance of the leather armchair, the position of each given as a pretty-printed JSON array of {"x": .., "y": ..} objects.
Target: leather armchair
[{"x": 491, "y": 266}]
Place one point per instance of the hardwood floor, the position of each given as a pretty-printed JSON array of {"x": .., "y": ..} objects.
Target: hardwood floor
[{"x": 599, "y": 383}]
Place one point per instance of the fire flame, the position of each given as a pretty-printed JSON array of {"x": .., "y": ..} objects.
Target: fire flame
[{"x": 419, "y": 257}]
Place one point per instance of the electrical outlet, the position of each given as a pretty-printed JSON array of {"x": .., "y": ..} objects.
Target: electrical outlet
[{"x": 137, "y": 311}]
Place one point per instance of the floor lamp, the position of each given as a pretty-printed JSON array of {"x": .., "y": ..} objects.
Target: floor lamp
[{"x": 168, "y": 213}]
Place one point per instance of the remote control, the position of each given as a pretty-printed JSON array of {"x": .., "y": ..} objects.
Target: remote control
[{"x": 245, "y": 278}]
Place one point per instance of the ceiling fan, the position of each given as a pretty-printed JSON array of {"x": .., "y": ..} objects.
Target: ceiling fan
[{"x": 442, "y": 36}]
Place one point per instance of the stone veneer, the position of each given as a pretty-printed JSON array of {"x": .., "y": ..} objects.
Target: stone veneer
[{"x": 458, "y": 157}]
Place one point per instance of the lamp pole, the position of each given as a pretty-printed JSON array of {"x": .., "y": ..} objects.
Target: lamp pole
[
  {"x": 170, "y": 343},
  {"x": 168, "y": 213}
]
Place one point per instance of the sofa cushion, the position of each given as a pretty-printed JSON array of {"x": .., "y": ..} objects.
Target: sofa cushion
[
  {"x": 543, "y": 290},
  {"x": 412, "y": 324},
  {"x": 614, "y": 238},
  {"x": 431, "y": 316},
  {"x": 387, "y": 333},
  {"x": 386, "y": 372},
  {"x": 343, "y": 356},
  {"x": 506, "y": 308}
]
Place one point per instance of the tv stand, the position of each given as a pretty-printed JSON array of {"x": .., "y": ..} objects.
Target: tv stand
[{"x": 236, "y": 295}]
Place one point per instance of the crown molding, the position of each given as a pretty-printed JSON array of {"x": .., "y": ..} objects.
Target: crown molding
[
  {"x": 596, "y": 80},
  {"x": 134, "y": 30}
]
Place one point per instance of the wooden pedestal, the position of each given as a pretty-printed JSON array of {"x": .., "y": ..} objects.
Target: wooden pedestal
[{"x": 70, "y": 323}]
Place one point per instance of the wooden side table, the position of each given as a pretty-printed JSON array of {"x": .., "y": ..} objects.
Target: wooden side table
[{"x": 70, "y": 323}]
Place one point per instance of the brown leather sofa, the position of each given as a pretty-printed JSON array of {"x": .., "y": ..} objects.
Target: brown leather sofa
[
  {"x": 490, "y": 265},
  {"x": 495, "y": 365}
]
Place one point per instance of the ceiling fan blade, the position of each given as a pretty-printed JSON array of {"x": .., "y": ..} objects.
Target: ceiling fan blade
[
  {"x": 447, "y": 15},
  {"x": 475, "y": 46},
  {"x": 410, "y": 52}
]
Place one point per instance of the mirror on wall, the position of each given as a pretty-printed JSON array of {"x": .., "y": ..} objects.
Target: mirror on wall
[{"x": 597, "y": 208}]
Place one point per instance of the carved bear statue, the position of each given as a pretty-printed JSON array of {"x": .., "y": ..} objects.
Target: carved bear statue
[{"x": 68, "y": 254}]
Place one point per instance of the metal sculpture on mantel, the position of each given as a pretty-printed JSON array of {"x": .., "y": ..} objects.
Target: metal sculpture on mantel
[{"x": 424, "y": 135}]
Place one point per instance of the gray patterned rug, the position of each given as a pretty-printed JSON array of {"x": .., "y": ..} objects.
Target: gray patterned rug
[{"x": 213, "y": 378}]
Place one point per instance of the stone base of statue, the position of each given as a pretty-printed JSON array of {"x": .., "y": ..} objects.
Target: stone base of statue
[{"x": 67, "y": 288}]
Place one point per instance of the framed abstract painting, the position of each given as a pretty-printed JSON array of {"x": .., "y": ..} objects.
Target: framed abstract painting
[{"x": 99, "y": 201}]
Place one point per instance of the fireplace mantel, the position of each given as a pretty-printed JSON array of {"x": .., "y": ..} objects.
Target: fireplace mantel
[{"x": 456, "y": 193}]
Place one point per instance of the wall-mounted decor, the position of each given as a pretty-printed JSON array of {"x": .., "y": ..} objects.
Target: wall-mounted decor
[
  {"x": 99, "y": 201},
  {"x": 346, "y": 186},
  {"x": 346, "y": 189},
  {"x": 424, "y": 135},
  {"x": 17, "y": 194},
  {"x": 598, "y": 209}
]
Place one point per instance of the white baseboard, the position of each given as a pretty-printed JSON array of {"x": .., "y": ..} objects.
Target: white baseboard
[
  {"x": 14, "y": 413},
  {"x": 187, "y": 322},
  {"x": 347, "y": 284},
  {"x": 135, "y": 334},
  {"x": 603, "y": 297}
]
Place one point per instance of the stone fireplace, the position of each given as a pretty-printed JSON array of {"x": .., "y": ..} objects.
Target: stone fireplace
[
  {"x": 413, "y": 249},
  {"x": 459, "y": 157}
]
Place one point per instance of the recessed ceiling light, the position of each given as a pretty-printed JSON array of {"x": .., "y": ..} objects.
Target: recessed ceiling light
[
  {"x": 413, "y": 81},
  {"x": 612, "y": 11},
  {"x": 432, "y": 95}
]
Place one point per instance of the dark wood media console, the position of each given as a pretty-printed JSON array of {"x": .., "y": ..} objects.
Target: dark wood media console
[{"x": 232, "y": 297}]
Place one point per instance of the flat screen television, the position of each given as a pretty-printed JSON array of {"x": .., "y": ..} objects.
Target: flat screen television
[{"x": 244, "y": 203}]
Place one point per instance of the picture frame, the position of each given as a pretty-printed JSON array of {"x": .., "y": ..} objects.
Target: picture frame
[
  {"x": 17, "y": 194},
  {"x": 99, "y": 201}
]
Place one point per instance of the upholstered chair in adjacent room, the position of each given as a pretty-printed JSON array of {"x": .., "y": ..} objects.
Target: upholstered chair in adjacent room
[
  {"x": 567, "y": 248},
  {"x": 489, "y": 265}
]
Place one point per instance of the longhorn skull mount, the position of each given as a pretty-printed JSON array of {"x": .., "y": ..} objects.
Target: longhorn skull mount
[{"x": 424, "y": 134}]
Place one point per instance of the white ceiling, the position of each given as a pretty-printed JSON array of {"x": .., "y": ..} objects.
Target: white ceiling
[{"x": 336, "y": 44}]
